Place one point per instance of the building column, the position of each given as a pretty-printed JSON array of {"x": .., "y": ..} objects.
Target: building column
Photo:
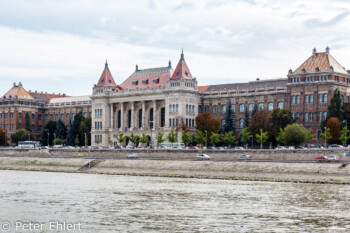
[
  {"x": 155, "y": 114},
  {"x": 132, "y": 116},
  {"x": 143, "y": 114},
  {"x": 111, "y": 120},
  {"x": 122, "y": 117}
]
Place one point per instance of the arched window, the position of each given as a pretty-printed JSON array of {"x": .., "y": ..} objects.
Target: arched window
[
  {"x": 177, "y": 108},
  {"x": 293, "y": 99},
  {"x": 261, "y": 106},
  {"x": 306, "y": 118},
  {"x": 251, "y": 107},
  {"x": 186, "y": 107},
  {"x": 241, "y": 123},
  {"x": 170, "y": 108},
  {"x": 270, "y": 107},
  {"x": 192, "y": 109},
  {"x": 233, "y": 108},
  {"x": 241, "y": 108},
  {"x": 223, "y": 108},
  {"x": 325, "y": 98},
  {"x": 280, "y": 105}
]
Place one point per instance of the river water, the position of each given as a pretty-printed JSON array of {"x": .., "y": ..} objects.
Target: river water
[{"x": 106, "y": 203}]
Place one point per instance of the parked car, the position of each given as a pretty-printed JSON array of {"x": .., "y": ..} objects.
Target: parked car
[
  {"x": 322, "y": 159},
  {"x": 203, "y": 157},
  {"x": 316, "y": 147},
  {"x": 57, "y": 146},
  {"x": 132, "y": 155},
  {"x": 301, "y": 148},
  {"x": 333, "y": 158},
  {"x": 44, "y": 147},
  {"x": 335, "y": 146},
  {"x": 245, "y": 157},
  {"x": 239, "y": 148},
  {"x": 280, "y": 148},
  {"x": 129, "y": 147}
]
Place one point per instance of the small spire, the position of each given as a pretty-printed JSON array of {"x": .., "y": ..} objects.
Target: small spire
[
  {"x": 327, "y": 50},
  {"x": 137, "y": 68},
  {"x": 182, "y": 55},
  {"x": 106, "y": 65},
  {"x": 20, "y": 84},
  {"x": 169, "y": 64},
  {"x": 314, "y": 52},
  {"x": 14, "y": 84}
]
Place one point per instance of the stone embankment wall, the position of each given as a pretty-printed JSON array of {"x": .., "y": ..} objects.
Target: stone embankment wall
[{"x": 279, "y": 155}]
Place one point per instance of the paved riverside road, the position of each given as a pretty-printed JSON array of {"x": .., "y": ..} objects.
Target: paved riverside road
[{"x": 175, "y": 159}]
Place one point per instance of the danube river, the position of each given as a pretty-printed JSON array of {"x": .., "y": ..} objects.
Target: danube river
[{"x": 106, "y": 203}]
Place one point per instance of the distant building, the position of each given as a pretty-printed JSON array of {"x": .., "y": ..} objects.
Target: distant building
[{"x": 161, "y": 99}]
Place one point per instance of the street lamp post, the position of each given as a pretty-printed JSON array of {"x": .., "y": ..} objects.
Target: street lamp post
[
  {"x": 206, "y": 139},
  {"x": 325, "y": 137},
  {"x": 261, "y": 141}
]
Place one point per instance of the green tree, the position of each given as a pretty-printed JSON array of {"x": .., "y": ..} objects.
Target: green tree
[
  {"x": 215, "y": 139},
  {"x": 120, "y": 138},
  {"x": 21, "y": 135},
  {"x": 85, "y": 128},
  {"x": 309, "y": 135},
  {"x": 344, "y": 135},
  {"x": 133, "y": 139},
  {"x": 59, "y": 141},
  {"x": 246, "y": 135},
  {"x": 61, "y": 130},
  {"x": 143, "y": 138},
  {"x": 326, "y": 133},
  {"x": 280, "y": 118},
  {"x": 172, "y": 136},
  {"x": 76, "y": 125},
  {"x": 2, "y": 137},
  {"x": 50, "y": 128},
  {"x": 186, "y": 137},
  {"x": 263, "y": 135},
  {"x": 246, "y": 118},
  {"x": 295, "y": 135},
  {"x": 228, "y": 139},
  {"x": 70, "y": 135},
  {"x": 160, "y": 138},
  {"x": 229, "y": 119},
  {"x": 280, "y": 137},
  {"x": 27, "y": 123},
  {"x": 334, "y": 109},
  {"x": 345, "y": 113},
  {"x": 199, "y": 138}
]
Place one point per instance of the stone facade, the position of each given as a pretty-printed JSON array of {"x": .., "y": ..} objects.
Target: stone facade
[{"x": 161, "y": 99}]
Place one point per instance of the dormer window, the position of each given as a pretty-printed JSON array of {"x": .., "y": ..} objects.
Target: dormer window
[
  {"x": 156, "y": 80},
  {"x": 110, "y": 81},
  {"x": 186, "y": 73},
  {"x": 145, "y": 81},
  {"x": 102, "y": 80},
  {"x": 177, "y": 73},
  {"x": 136, "y": 82}
]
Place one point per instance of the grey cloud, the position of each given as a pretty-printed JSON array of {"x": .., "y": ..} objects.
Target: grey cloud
[{"x": 318, "y": 23}]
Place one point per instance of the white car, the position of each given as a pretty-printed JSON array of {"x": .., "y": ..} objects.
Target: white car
[
  {"x": 203, "y": 157},
  {"x": 239, "y": 148},
  {"x": 132, "y": 155},
  {"x": 335, "y": 146},
  {"x": 280, "y": 148}
]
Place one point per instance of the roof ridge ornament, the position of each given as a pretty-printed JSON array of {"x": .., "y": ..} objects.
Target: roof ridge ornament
[
  {"x": 314, "y": 52},
  {"x": 182, "y": 55},
  {"x": 106, "y": 64}
]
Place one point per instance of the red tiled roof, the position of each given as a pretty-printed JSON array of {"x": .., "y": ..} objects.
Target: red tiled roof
[
  {"x": 153, "y": 77},
  {"x": 181, "y": 70},
  {"x": 323, "y": 61},
  {"x": 202, "y": 88},
  {"x": 106, "y": 78},
  {"x": 17, "y": 91},
  {"x": 45, "y": 97}
]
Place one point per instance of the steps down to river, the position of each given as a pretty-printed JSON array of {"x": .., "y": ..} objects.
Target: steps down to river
[{"x": 91, "y": 164}]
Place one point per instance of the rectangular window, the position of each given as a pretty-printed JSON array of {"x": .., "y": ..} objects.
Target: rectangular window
[
  {"x": 0, "y": 115},
  {"x": 233, "y": 108},
  {"x": 306, "y": 117},
  {"x": 324, "y": 115},
  {"x": 206, "y": 108},
  {"x": 261, "y": 106},
  {"x": 311, "y": 99},
  {"x": 32, "y": 128},
  {"x": 270, "y": 107},
  {"x": 136, "y": 82},
  {"x": 39, "y": 117},
  {"x": 6, "y": 115},
  {"x": 342, "y": 99},
  {"x": 306, "y": 99},
  {"x": 40, "y": 128},
  {"x": 251, "y": 107},
  {"x": 20, "y": 115},
  {"x": 280, "y": 105},
  {"x": 320, "y": 116},
  {"x": 62, "y": 117},
  {"x": 33, "y": 116},
  {"x": 156, "y": 80},
  {"x": 310, "y": 116},
  {"x": 215, "y": 109},
  {"x": 223, "y": 108},
  {"x": 298, "y": 99},
  {"x": 320, "y": 99},
  {"x": 12, "y": 115},
  {"x": 145, "y": 81},
  {"x": 241, "y": 108},
  {"x": 293, "y": 99},
  {"x": 325, "y": 98}
]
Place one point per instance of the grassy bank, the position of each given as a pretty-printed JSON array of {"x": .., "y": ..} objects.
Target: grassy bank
[{"x": 256, "y": 171}]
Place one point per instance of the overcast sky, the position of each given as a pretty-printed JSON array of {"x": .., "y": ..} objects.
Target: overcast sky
[{"x": 61, "y": 46}]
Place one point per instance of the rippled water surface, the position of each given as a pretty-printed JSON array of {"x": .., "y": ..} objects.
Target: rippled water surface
[{"x": 104, "y": 203}]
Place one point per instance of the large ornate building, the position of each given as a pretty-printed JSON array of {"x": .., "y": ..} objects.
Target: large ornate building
[{"x": 159, "y": 99}]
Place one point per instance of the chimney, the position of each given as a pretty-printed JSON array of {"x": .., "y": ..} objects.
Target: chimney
[
  {"x": 257, "y": 79},
  {"x": 314, "y": 52},
  {"x": 36, "y": 91},
  {"x": 137, "y": 68}
]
